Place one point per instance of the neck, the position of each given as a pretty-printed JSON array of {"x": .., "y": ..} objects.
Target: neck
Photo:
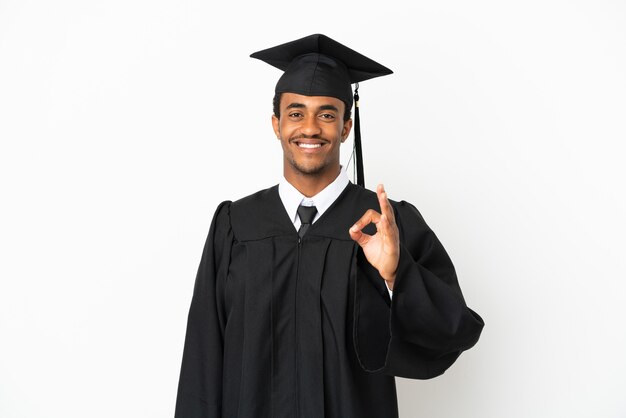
[{"x": 311, "y": 184}]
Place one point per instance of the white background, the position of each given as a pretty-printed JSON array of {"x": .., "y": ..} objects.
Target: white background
[{"x": 124, "y": 123}]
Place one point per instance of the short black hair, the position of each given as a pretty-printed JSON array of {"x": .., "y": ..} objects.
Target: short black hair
[{"x": 347, "y": 114}]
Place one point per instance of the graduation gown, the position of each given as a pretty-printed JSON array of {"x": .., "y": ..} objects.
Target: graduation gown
[{"x": 281, "y": 327}]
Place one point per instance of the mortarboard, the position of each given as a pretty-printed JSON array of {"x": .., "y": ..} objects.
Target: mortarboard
[{"x": 317, "y": 65}]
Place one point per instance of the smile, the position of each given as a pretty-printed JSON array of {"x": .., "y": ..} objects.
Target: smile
[{"x": 305, "y": 145}]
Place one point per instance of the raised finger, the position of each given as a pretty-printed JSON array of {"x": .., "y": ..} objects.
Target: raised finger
[{"x": 385, "y": 205}]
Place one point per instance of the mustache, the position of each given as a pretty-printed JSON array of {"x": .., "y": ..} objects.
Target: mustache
[{"x": 302, "y": 136}]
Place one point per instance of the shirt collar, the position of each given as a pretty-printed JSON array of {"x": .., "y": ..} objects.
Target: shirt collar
[{"x": 292, "y": 198}]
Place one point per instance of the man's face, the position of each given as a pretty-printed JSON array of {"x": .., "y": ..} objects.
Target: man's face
[{"x": 311, "y": 129}]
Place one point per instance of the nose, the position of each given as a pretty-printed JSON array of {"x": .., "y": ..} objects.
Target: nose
[{"x": 310, "y": 127}]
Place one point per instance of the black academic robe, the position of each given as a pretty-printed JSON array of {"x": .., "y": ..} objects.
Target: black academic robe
[{"x": 281, "y": 327}]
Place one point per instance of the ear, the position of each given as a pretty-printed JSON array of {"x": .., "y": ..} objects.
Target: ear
[
  {"x": 345, "y": 131},
  {"x": 276, "y": 126}
]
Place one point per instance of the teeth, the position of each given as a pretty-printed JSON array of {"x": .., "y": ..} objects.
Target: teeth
[{"x": 301, "y": 145}]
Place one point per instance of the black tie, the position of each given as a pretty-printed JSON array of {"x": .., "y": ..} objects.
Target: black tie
[{"x": 306, "y": 214}]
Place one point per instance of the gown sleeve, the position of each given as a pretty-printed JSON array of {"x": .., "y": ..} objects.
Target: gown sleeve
[
  {"x": 425, "y": 327},
  {"x": 199, "y": 387}
]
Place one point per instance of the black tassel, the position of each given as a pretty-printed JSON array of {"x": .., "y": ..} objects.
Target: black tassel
[{"x": 358, "y": 157}]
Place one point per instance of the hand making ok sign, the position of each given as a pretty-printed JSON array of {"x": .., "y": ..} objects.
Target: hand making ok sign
[{"x": 382, "y": 249}]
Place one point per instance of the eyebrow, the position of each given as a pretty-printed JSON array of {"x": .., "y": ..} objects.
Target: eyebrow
[
  {"x": 322, "y": 107},
  {"x": 329, "y": 107}
]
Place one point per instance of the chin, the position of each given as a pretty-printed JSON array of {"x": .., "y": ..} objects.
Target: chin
[{"x": 309, "y": 170}]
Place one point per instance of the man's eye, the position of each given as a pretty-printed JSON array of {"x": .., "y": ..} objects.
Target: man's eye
[
  {"x": 327, "y": 116},
  {"x": 295, "y": 114}
]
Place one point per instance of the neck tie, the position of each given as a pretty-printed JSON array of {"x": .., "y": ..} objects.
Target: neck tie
[{"x": 306, "y": 214}]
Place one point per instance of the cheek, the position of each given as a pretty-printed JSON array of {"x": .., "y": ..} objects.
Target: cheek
[
  {"x": 285, "y": 130},
  {"x": 337, "y": 132}
]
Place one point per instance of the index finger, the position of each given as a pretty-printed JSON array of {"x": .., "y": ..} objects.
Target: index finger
[{"x": 385, "y": 205}]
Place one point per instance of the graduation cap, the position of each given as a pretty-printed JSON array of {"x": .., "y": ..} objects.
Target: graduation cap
[{"x": 317, "y": 65}]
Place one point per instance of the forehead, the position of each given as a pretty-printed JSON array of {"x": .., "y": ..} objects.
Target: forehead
[{"x": 313, "y": 102}]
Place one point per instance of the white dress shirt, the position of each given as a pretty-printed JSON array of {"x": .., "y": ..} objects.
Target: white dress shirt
[{"x": 292, "y": 199}]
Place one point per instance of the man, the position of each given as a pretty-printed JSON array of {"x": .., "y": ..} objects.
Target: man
[{"x": 312, "y": 294}]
